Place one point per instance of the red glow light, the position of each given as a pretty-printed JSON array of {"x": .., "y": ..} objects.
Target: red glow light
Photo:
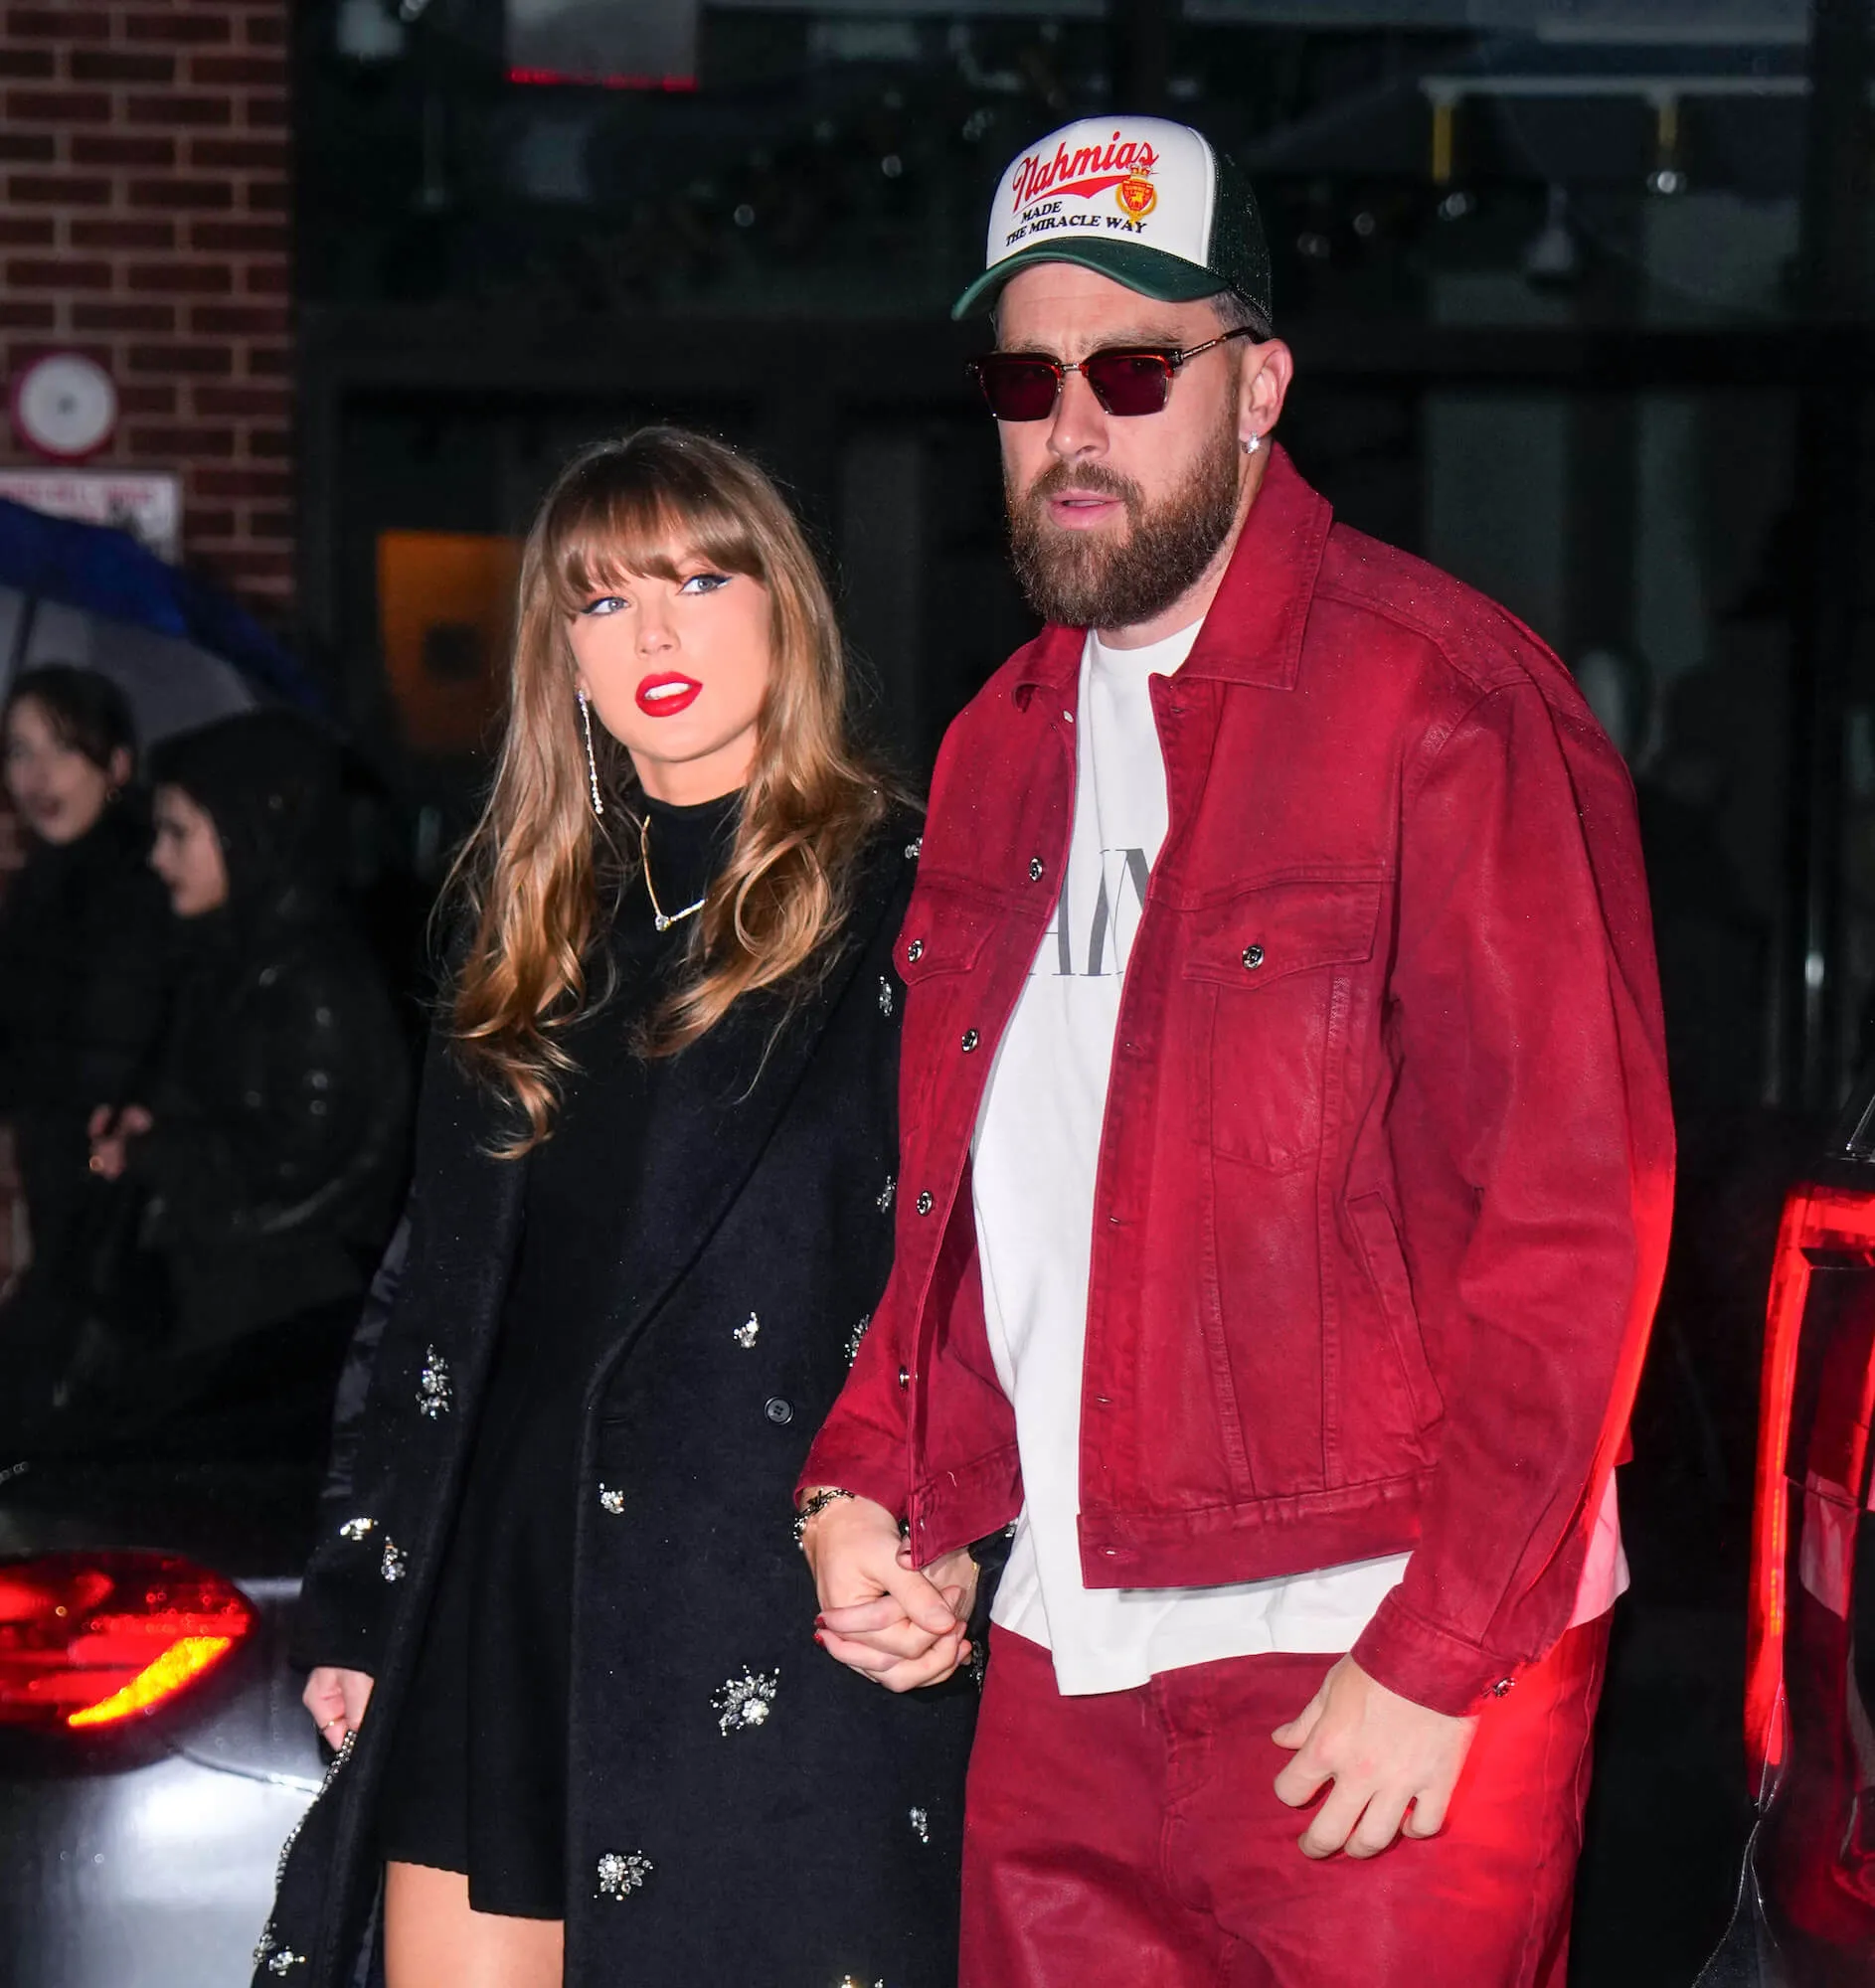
[
  {"x": 93, "y": 1639},
  {"x": 1818, "y": 1221},
  {"x": 560, "y": 79}
]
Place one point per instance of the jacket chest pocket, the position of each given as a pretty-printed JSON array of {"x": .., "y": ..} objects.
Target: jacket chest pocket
[
  {"x": 940, "y": 944},
  {"x": 1272, "y": 970},
  {"x": 940, "y": 956}
]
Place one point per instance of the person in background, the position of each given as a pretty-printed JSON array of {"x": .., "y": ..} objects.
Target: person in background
[
  {"x": 84, "y": 951},
  {"x": 270, "y": 1140}
]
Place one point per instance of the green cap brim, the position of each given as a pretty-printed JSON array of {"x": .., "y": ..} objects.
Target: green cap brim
[{"x": 1151, "y": 271}]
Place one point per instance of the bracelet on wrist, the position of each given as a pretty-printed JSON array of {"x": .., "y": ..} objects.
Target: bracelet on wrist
[{"x": 812, "y": 1507}]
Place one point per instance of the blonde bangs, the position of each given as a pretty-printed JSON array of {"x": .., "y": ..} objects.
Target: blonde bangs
[{"x": 602, "y": 532}]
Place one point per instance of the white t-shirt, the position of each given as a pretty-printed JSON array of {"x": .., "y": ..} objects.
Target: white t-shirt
[{"x": 1037, "y": 1146}]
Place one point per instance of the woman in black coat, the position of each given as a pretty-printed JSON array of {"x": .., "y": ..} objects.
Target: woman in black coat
[
  {"x": 555, "y": 1616},
  {"x": 271, "y": 1135},
  {"x": 83, "y": 956}
]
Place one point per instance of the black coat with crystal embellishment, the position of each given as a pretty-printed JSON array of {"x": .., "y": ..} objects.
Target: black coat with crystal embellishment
[{"x": 740, "y": 1808}]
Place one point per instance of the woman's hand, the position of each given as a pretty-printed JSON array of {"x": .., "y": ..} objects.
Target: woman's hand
[
  {"x": 880, "y": 1615},
  {"x": 336, "y": 1698},
  {"x": 109, "y": 1138}
]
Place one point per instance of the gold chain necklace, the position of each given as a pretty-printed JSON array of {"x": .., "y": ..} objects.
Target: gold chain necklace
[{"x": 663, "y": 920}]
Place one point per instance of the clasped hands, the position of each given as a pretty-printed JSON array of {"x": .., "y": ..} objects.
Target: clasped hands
[
  {"x": 1390, "y": 1764},
  {"x": 879, "y": 1614}
]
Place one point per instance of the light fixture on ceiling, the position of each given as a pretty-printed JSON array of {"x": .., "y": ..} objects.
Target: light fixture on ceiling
[
  {"x": 1552, "y": 257},
  {"x": 1668, "y": 175},
  {"x": 366, "y": 33}
]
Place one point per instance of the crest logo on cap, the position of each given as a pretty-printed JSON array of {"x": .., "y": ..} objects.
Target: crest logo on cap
[{"x": 1137, "y": 196}]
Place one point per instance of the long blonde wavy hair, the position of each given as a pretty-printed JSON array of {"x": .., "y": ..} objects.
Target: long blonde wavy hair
[{"x": 540, "y": 873}]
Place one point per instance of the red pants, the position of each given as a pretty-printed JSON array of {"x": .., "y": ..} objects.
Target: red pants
[{"x": 1134, "y": 1840}]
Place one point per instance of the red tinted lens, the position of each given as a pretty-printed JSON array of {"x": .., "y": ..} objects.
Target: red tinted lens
[
  {"x": 1018, "y": 389},
  {"x": 1129, "y": 383}
]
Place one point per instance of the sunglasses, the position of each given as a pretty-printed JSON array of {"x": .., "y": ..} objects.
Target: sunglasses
[{"x": 1126, "y": 379}]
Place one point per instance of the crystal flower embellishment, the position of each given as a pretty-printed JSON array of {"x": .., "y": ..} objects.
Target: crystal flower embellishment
[
  {"x": 886, "y": 1195},
  {"x": 744, "y": 1702},
  {"x": 854, "y": 1337},
  {"x": 621, "y": 1875},
  {"x": 272, "y": 1954},
  {"x": 747, "y": 1332},
  {"x": 434, "y": 1386}
]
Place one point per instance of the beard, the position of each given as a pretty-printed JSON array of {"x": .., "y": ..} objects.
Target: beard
[{"x": 1091, "y": 579}]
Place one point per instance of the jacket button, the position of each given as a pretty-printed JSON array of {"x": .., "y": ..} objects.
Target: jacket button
[
  {"x": 905, "y": 1377},
  {"x": 1253, "y": 956},
  {"x": 926, "y": 1204},
  {"x": 777, "y": 1411},
  {"x": 915, "y": 951},
  {"x": 1037, "y": 869},
  {"x": 970, "y": 1040}
]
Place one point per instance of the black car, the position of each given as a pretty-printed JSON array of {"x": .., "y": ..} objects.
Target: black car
[
  {"x": 154, "y": 1754},
  {"x": 1806, "y": 1909}
]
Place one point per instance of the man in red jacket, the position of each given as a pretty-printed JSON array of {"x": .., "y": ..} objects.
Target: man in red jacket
[{"x": 1284, "y": 1179}]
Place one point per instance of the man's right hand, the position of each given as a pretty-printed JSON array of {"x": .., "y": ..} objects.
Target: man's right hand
[
  {"x": 336, "y": 1698},
  {"x": 879, "y": 1615}
]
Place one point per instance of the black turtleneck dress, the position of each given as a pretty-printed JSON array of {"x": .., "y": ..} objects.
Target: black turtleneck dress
[{"x": 477, "y": 1775}]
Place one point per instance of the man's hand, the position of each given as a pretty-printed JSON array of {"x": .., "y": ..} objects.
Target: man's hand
[
  {"x": 1383, "y": 1753},
  {"x": 879, "y": 1615},
  {"x": 337, "y": 1700}
]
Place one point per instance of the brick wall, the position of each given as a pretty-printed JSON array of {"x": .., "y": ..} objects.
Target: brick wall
[{"x": 144, "y": 154}]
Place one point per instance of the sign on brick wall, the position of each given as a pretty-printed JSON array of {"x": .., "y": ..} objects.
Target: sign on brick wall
[{"x": 146, "y": 504}]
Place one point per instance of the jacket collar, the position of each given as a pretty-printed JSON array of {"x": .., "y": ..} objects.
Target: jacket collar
[{"x": 1253, "y": 631}]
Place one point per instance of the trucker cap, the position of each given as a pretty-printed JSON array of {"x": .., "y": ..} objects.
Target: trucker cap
[{"x": 1151, "y": 204}]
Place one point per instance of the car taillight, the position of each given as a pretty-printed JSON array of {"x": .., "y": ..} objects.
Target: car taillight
[
  {"x": 1819, "y": 1225},
  {"x": 93, "y": 1639}
]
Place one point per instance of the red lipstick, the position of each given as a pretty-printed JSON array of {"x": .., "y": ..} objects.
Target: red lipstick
[{"x": 665, "y": 696}]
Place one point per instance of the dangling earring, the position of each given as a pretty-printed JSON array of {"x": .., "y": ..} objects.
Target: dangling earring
[
  {"x": 1251, "y": 443},
  {"x": 591, "y": 764}
]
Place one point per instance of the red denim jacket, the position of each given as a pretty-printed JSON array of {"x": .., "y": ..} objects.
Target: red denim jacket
[{"x": 1386, "y": 1173}]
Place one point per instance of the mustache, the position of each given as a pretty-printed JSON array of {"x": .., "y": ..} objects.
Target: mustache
[{"x": 1092, "y": 476}]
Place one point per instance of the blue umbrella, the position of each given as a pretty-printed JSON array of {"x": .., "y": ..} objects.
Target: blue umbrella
[{"x": 164, "y": 624}]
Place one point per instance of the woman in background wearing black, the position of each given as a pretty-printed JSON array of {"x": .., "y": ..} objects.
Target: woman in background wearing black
[
  {"x": 84, "y": 956},
  {"x": 269, "y": 1138}
]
